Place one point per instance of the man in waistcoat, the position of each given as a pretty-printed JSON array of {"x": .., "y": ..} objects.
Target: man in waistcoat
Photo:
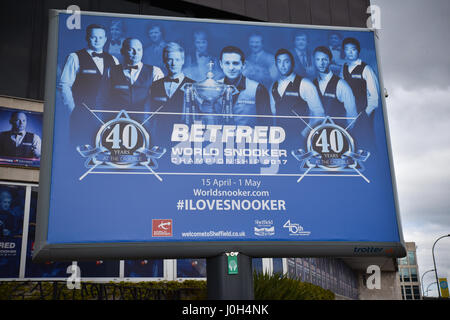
[
  {"x": 364, "y": 83},
  {"x": 82, "y": 77},
  {"x": 167, "y": 94},
  {"x": 335, "y": 93},
  {"x": 17, "y": 142},
  {"x": 251, "y": 97},
  {"x": 293, "y": 94},
  {"x": 128, "y": 84}
]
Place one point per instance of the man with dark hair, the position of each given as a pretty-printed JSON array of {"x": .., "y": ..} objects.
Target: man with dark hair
[
  {"x": 17, "y": 142},
  {"x": 260, "y": 66},
  {"x": 81, "y": 79},
  {"x": 128, "y": 85},
  {"x": 336, "y": 95},
  {"x": 364, "y": 83},
  {"x": 293, "y": 94},
  {"x": 251, "y": 97}
]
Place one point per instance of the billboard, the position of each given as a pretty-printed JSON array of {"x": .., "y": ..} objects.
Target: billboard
[
  {"x": 12, "y": 201},
  {"x": 20, "y": 137},
  {"x": 187, "y": 138}
]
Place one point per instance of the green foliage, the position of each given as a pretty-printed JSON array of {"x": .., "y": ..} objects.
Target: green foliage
[
  {"x": 266, "y": 287},
  {"x": 280, "y": 287},
  {"x": 152, "y": 290}
]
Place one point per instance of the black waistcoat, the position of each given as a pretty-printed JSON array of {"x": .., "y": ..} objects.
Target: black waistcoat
[
  {"x": 358, "y": 84},
  {"x": 24, "y": 150},
  {"x": 124, "y": 95},
  {"x": 87, "y": 84},
  {"x": 290, "y": 100},
  {"x": 332, "y": 106}
]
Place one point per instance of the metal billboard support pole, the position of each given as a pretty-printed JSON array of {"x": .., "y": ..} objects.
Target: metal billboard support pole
[
  {"x": 434, "y": 261},
  {"x": 227, "y": 280}
]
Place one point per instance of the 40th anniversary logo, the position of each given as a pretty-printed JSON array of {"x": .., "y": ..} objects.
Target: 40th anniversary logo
[
  {"x": 121, "y": 143},
  {"x": 330, "y": 148}
]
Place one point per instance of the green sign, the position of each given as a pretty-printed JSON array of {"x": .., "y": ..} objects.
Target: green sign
[{"x": 232, "y": 264}]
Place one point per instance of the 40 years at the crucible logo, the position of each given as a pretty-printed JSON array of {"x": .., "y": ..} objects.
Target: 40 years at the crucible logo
[
  {"x": 121, "y": 144},
  {"x": 330, "y": 148}
]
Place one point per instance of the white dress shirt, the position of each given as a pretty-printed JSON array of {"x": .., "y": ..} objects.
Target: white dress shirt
[
  {"x": 307, "y": 92},
  {"x": 69, "y": 74},
  {"x": 133, "y": 74},
  {"x": 373, "y": 87},
  {"x": 17, "y": 138},
  {"x": 344, "y": 93},
  {"x": 172, "y": 86}
]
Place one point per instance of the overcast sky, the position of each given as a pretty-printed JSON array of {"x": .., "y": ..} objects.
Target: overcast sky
[{"x": 415, "y": 65}]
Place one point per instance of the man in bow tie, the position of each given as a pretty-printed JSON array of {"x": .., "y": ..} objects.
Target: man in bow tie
[
  {"x": 167, "y": 94},
  {"x": 81, "y": 79},
  {"x": 128, "y": 85},
  {"x": 17, "y": 142}
]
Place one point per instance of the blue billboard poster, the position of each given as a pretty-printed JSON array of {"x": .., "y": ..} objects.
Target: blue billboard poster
[
  {"x": 146, "y": 268},
  {"x": 99, "y": 269},
  {"x": 276, "y": 145},
  {"x": 12, "y": 201},
  {"x": 45, "y": 269},
  {"x": 20, "y": 137},
  {"x": 191, "y": 268}
]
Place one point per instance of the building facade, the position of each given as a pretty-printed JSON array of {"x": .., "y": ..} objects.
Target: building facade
[{"x": 408, "y": 274}]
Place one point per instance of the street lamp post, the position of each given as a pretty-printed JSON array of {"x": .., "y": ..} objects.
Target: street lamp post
[
  {"x": 434, "y": 261},
  {"x": 428, "y": 288},
  {"x": 422, "y": 280}
]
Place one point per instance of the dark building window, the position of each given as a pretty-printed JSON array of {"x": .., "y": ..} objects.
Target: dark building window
[
  {"x": 416, "y": 292},
  {"x": 405, "y": 273},
  {"x": 408, "y": 293},
  {"x": 413, "y": 275}
]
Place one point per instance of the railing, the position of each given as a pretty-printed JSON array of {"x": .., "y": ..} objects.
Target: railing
[{"x": 57, "y": 290}]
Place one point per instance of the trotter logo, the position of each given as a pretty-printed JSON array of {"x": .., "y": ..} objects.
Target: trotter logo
[{"x": 161, "y": 227}]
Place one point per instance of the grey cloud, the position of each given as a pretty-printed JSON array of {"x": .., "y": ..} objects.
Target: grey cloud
[{"x": 414, "y": 45}]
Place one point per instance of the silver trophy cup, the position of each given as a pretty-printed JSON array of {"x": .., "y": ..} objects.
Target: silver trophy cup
[{"x": 208, "y": 100}]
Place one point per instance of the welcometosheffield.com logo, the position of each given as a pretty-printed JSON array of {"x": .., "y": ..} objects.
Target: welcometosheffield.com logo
[{"x": 162, "y": 227}]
